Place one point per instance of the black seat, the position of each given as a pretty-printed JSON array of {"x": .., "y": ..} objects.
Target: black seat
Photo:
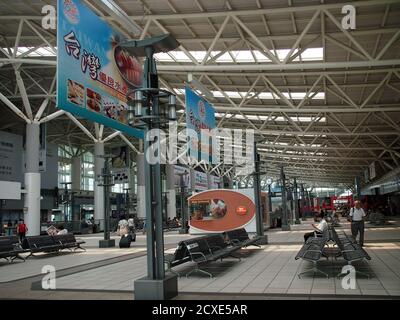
[
  {"x": 68, "y": 241},
  {"x": 240, "y": 237}
]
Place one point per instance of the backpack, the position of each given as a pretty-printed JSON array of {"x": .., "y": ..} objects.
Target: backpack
[{"x": 22, "y": 228}]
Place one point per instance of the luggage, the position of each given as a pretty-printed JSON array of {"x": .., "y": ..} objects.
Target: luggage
[
  {"x": 125, "y": 241},
  {"x": 133, "y": 235}
]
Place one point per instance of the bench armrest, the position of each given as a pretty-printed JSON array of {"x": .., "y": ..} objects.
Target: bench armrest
[{"x": 199, "y": 253}]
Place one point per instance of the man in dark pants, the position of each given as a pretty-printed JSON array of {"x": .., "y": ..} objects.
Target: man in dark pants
[
  {"x": 357, "y": 215},
  {"x": 319, "y": 229}
]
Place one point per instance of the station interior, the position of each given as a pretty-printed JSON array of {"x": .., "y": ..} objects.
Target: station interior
[{"x": 199, "y": 150}]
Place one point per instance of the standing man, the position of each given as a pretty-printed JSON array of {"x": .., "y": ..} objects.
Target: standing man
[
  {"x": 357, "y": 215},
  {"x": 22, "y": 229}
]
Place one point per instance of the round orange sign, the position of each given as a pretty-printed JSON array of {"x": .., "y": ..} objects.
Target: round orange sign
[{"x": 241, "y": 210}]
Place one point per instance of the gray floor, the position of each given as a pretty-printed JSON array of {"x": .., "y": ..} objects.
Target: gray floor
[{"x": 269, "y": 272}]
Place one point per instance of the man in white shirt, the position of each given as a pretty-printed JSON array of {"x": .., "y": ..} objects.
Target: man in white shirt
[
  {"x": 319, "y": 228},
  {"x": 357, "y": 215}
]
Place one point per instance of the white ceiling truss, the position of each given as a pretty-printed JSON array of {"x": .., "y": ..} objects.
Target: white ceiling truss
[{"x": 324, "y": 120}]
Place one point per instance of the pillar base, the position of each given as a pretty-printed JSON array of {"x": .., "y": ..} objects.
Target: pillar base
[
  {"x": 149, "y": 289},
  {"x": 286, "y": 227},
  {"x": 263, "y": 240},
  {"x": 107, "y": 243},
  {"x": 297, "y": 222}
]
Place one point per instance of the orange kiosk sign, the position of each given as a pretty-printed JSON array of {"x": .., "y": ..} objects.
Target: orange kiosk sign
[{"x": 241, "y": 210}]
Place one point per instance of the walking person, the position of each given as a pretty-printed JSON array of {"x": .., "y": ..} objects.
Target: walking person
[
  {"x": 22, "y": 229},
  {"x": 357, "y": 215}
]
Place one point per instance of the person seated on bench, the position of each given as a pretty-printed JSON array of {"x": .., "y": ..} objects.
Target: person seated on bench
[
  {"x": 61, "y": 230},
  {"x": 319, "y": 229}
]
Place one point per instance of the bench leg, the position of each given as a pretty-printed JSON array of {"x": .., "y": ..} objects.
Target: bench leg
[
  {"x": 314, "y": 269},
  {"x": 30, "y": 255},
  {"x": 172, "y": 270},
  {"x": 234, "y": 256},
  {"x": 79, "y": 247},
  {"x": 197, "y": 269},
  {"x": 18, "y": 257}
]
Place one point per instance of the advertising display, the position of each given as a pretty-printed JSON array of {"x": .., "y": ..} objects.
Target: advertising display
[
  {"x": 372, "y": 171},
  {"x": 186, "y": 178},
  {"x": 10, "y": 157},
  {"x": 120, "y": 164},
  {"x": 199, "y": 115},
  {"x": 220, "y": 210},
  {"x": 200, "y": 181},
  {"x": 215, "y": 182},
  {"x": 94, "y": 74}
]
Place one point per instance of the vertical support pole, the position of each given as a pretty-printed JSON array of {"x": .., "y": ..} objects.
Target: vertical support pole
[
  {"x": 296, "y": 203},
  {"x": 76, "y": 173},
  {"x": 184, "y": 217},
  {"x": 171, "y": 193},
  {"x": 257, "y": 193},
  {"x": 141, "y": 189},
  {"x": 98, "y": 190},
  {"x": 209, "y": 182},
  {"x": 32, "y": 179},
  {"x": 285, "y": 224},
  {"x": 192, "y": 173},
  {"x": 303, "y": 203},
  {"x": 106, "y": 194},
  {"x": 357, "y": 188},
  {"x": 270, "y": 205}
]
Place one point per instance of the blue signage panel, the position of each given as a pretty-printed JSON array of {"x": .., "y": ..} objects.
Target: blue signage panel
[
  {"x": 94, "y": 74},
  {"x": 199, "y": 115}
]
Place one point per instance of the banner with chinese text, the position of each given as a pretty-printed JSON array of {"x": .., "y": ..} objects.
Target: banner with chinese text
[
  {"x": 93, "y": 73},
  {"x": 199, "y": 115}
]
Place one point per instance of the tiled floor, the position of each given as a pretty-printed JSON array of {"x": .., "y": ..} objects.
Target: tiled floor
[{"x": 269, "y": 272}]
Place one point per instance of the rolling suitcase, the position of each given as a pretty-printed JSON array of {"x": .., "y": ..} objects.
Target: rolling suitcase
[{"x": 125, "y": 241}]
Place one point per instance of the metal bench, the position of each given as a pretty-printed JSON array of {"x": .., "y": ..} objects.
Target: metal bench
[
  {"x": 312, "y": 251},
  {"x": 240, "y": 237},
  {"x": 349, "y": 250},
  {"x": 41, "y": 244},
  {"x": 10, "y": 248},
  {"x": 68, "y": 241},
  {"x": 206, "y": 249},
  {"x": 181, "y": 255}
]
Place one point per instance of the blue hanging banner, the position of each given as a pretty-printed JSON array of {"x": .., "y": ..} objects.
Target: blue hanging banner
[
  {"x": 199, "y": 115},
  {"x": 93, "y": 72}
]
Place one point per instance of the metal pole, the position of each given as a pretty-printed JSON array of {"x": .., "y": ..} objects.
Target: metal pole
[
  {"x": 285, "y": 225},
  {"x": 358, "y": 188},
  {"x": 107, "y": 183},
  {"x": 303, "y": 202},
  {"x": 257, "y": 193},
  {"x": 296, "y": 203},
  {"x": 183, "y": 211}
]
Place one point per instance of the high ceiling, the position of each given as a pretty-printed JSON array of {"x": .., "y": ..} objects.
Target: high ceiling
[{"x": 324, "y": 102}]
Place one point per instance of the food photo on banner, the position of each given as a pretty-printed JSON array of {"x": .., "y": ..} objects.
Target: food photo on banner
[
  {"x": 94, "y": 74},
  {"x": 199, "y": 115}
]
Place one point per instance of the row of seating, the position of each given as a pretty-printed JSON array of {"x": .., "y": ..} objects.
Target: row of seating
[
  {"x": 315, "y": 248},
  {"x": 205, "y": 249},
  {"x": 349, "y": 250},
  {"x": 11, "y": 249}
]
